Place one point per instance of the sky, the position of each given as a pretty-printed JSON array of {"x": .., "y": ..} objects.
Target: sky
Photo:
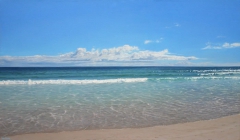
[{"x": 119, "y": 33}]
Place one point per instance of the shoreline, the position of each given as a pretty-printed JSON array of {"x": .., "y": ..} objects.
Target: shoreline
[{"x": 215, "y": 129}]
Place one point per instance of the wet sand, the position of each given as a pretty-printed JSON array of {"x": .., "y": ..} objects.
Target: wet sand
[{"x": 226, "y": 128}]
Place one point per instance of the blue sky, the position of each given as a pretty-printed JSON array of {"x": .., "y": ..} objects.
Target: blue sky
[{"x": 119, "y": 32}]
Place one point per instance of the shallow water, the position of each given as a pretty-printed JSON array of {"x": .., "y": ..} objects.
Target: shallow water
[{"x": 57, "y": 99}]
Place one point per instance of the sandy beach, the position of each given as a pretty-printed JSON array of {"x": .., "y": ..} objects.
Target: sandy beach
[{"x": 226, "y": 128}]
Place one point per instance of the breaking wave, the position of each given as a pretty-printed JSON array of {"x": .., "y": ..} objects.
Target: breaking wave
[
  {"x": 34, "y": 82},
  {"x": 104, "y": 81}
]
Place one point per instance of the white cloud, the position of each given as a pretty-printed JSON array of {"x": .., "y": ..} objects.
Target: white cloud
[
  {"x": 152, "y": 41},
  {"x": 148, "y": 41},
  {"x": 223, "y": 46},
  {"x": 123, "y": 54},
  {"x": 232, "y": 45}
]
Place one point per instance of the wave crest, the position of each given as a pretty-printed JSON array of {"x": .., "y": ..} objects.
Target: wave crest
[{"x": 34, "y": 82}]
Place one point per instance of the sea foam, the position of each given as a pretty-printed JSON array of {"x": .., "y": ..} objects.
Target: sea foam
[
  {"x": 34, "y": 82},
  {"x": 104, "y": 81}
]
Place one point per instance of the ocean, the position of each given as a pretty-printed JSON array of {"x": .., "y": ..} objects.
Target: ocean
[{"x": 53, "y": 99}]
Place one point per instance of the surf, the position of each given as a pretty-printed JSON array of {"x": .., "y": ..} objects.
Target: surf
[{"x": 74, "y": 82}]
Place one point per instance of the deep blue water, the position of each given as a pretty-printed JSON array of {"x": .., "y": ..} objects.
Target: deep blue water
[{"x": 76, "y": 98}]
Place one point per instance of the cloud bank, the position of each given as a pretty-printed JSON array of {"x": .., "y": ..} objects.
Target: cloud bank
[
  {"x": 223, "y": 46},
  {"x": 118, "y": 55}
]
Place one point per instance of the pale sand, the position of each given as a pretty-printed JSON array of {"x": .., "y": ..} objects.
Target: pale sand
[{"x": 226, "y": 128}]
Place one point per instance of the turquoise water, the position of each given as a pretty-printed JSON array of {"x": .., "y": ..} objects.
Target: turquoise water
[{"x": 61, "y": 99}]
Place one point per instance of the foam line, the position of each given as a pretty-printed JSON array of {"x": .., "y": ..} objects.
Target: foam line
[
  {"x": 34, "y": 82},
  {"x": 198, "y": 78}
]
